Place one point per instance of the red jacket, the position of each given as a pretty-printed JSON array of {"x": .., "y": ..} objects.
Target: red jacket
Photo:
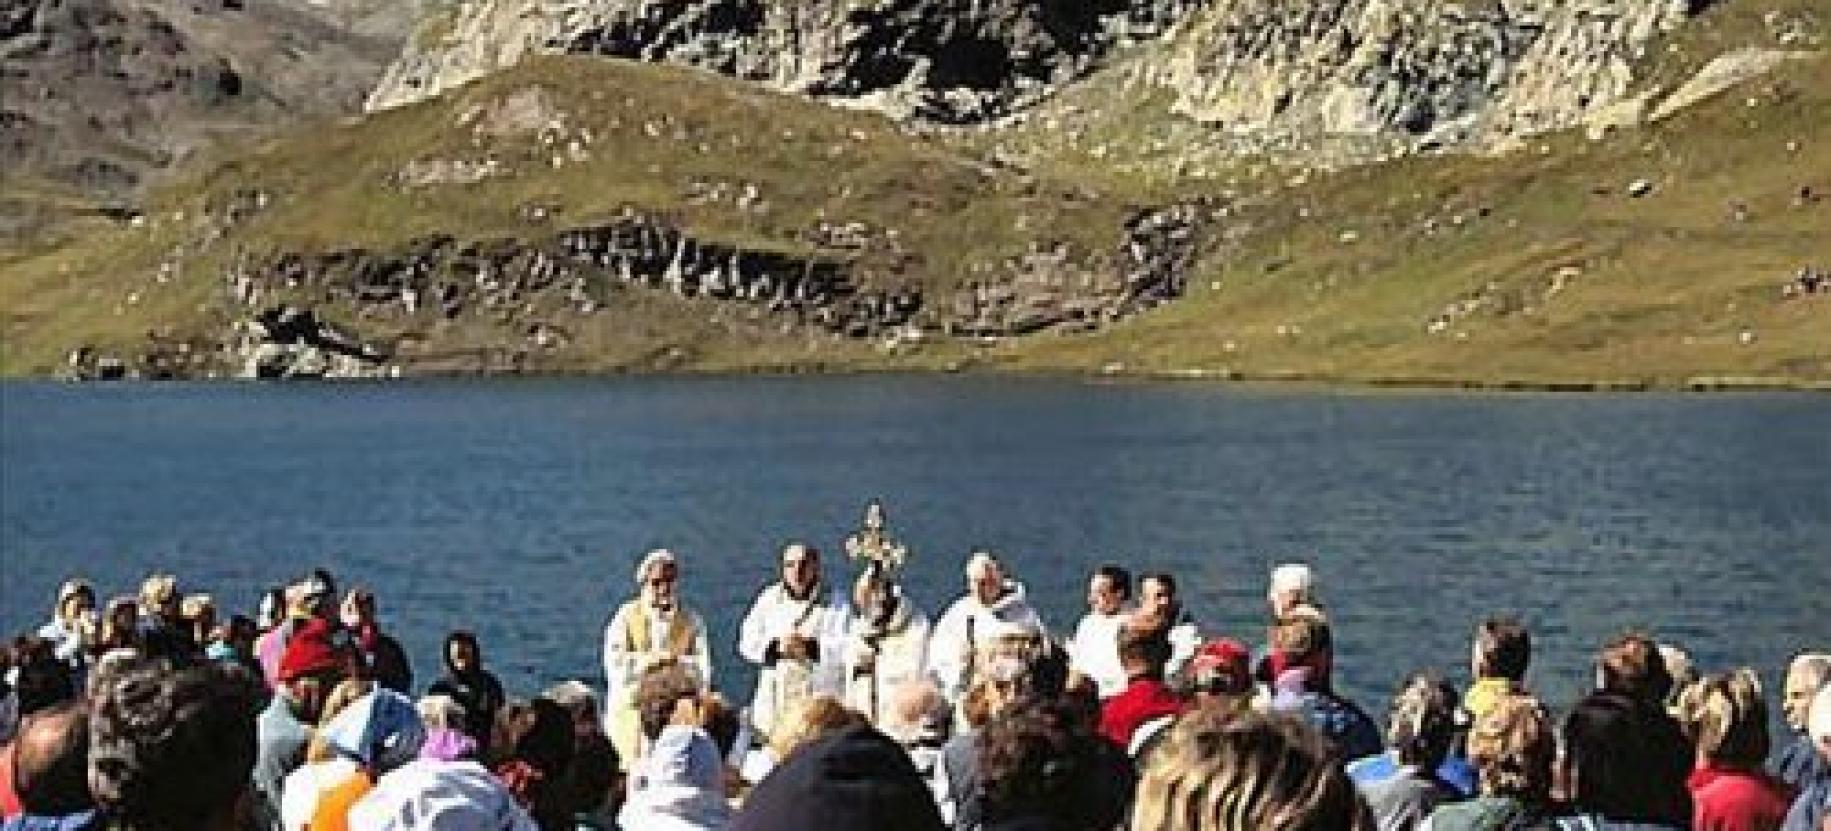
[
  {"x": 1737, "y": 800},
  {"x": 1142, "y": 700},
  {"x": 9, "y": 797}
]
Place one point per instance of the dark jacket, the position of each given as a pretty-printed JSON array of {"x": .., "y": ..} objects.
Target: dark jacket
[
  {"x": 960, "y": 758},
  {"x": 387, "y": 660},
  {"x": 479, "y": 693},
  {"x": 1489, "y": 813}
]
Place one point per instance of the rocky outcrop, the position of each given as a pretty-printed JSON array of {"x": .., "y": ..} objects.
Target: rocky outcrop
[
  {"x": 1417, "y": 72},
  {"x": 1407, "y": 73},
  {"x": 1051, "y": 287},
  {"x": 943, "y": 60},
  {"x": 522, "y": 303},
  {"x": 289, "y": 342}
]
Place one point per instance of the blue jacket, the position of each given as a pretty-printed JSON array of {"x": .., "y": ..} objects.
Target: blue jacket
[
  {"x": 1809, "y": 810},
  {"x": 1350, "y": 729},
  {"x": 1456, "y": 772},
  {"x": 1799, "y": 763}
]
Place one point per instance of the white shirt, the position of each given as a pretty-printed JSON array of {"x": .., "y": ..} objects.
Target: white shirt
[
  {"x": 1094, "y": 652},
  {"x": 1185, "y": 639}
]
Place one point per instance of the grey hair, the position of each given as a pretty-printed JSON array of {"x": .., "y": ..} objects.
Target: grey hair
[{"x": 441, "y": 711}]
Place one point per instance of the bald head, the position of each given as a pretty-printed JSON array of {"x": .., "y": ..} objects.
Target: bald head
[{"x": 50, "y": 768}]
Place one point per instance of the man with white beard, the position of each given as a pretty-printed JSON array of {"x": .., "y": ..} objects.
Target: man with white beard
[
  {"x": 888, "y": 646},
  {"x": 1094, "y": 649},
  {"x": 796, "y": 637},
  {"x": 651, "y": 629},
  {"x": 994, "y": 607}
]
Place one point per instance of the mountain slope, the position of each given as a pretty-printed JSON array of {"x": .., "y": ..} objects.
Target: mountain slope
[
  {"x": 99, "y": 95},
  {"x": 1663, "y": 255},
  {"x": 586, "y": 213}
]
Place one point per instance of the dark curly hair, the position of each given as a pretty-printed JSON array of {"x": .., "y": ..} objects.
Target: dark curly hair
[
  {"x": 1038, "y": 761},
  {"x": 172, "y": 749}
]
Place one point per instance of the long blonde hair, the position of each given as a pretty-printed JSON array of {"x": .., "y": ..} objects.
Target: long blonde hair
[{"x": 1248, "y": 772}]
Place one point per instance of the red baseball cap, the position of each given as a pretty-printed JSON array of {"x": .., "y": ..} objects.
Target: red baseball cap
[
  {"x": 316, "y": 647},
  {"x": 1221, "y": 666}
]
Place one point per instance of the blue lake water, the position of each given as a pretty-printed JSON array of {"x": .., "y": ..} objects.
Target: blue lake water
[{"x": 517, "y": 508}]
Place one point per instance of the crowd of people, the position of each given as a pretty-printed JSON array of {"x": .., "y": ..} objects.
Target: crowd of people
[{"x": 158, "y": 712}]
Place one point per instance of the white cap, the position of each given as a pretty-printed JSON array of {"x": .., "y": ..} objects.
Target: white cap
[
  {"x": 658, "y": 557},
  {"x": 1818, "y": 724},
  {"x": 980, "y": 561},
  {"x": 1293, "y": 577}
]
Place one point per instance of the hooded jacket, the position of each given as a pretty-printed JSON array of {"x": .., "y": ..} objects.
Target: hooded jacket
[
  {"x": 373, "y": 735},
  {"x": 439, "y": 796},
  {"x": 477, "y": 691},
  {"x": 679, "y": 786}
]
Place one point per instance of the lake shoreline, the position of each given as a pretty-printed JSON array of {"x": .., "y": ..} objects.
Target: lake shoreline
[{"x": 1108, "y": 374}]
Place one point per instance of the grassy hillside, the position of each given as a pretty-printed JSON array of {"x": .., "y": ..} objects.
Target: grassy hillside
[
  {"x": 1539, "y": 265},
  {"x": 554, "y": 144}
]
